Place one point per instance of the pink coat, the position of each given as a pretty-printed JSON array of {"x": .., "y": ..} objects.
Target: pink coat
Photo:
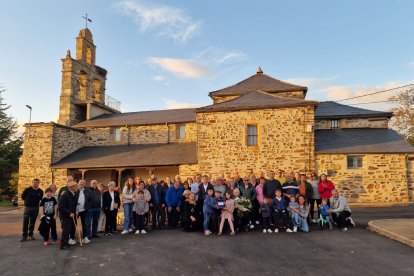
[
  {"x": 259, "y": 194},
  {"x": 227, "y": 212}
]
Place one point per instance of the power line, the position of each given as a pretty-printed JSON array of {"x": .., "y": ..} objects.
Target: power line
[
  {"x": 378, "y": 92},
  {"x": 372, "y": 102}
]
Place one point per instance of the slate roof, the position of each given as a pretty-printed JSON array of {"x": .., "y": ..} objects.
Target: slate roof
[
  {"x": 332, "y": 110},
  {"x": 141, "y": 118},
  {"x": 363, "y": 140},
  {"x": 258, "y": 81},
  {"x": 130, "y": 156},
  {"x": 256, "y": 100}
]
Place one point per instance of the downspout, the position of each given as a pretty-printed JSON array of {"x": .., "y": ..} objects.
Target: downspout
[{"x": 168, "y": 133}]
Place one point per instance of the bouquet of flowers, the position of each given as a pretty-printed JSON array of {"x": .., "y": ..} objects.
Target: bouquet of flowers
[{"x": 243, "y": 204}]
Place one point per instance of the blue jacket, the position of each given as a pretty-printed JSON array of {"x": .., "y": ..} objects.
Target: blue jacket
[
  {"x": 209, "y": 203},
  {"x": 173, "y": 196},
  {"x": 323, "y": 210},
  {"x": 279, "y": 206},
  {"x": 265, "y": 209}
]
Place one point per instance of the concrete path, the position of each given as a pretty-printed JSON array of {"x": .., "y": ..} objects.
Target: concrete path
[{"x": 401, "y": 230}]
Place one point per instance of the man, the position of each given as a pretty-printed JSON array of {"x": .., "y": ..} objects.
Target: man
[
  {"x": 280, "y": 176},
  {"x": 271, "y": 185},
  {"x": 238, "y": 180},
  {"x": 67, "y": 209},
  {"x": 64, "y": 187},
  {"x": 194, "y": 187},
  {"x": 83, "y": 202},
  {"x": 102, "y": 218},
  {"x": 202, "y": 189},
  {"x": 32, "y": 197},
  {"x": 157, "y": 203},
  {"x": 341, "y": 213},
  {"x": 111, "y": 203},
  {"x": 173, "y": 200},
  {"x": 220, "y": 186},
  {"x": 94, "y": 211},
  {"x": 290, "y": 188}
]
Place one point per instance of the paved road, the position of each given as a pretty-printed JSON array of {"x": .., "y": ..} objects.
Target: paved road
[{"x": 357, "y": 251}]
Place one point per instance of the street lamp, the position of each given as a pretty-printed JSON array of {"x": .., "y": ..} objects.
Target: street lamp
[
  {"x": 30, "y": 119},
  {"x": 30, "y": 116}
]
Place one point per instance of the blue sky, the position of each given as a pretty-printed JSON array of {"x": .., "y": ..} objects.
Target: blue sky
[{"x": 170, "y": 54}]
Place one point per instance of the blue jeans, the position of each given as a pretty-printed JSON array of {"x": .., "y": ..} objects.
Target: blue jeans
[
  {"x": 92, "y": 218},
  {"x": 303, "y": 224},
  {"x": 295, "y": 219},
  {"x": 127, "y": 216},
  {"x": 206, "y": 221}
]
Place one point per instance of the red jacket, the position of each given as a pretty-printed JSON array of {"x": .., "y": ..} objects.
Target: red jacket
[{"x": 325, "y": 189}]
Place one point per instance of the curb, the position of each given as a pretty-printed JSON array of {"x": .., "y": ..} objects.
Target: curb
[{"x": 390, "y": 234}]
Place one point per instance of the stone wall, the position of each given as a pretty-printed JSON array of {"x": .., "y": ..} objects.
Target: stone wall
[
  {"x": 410, "y": 178},
  {"x": 283, "y": 140},
  {"x": 188, "y": 170},
  {"x": 354, "y": 123},
  {"x": 293, "y": 94},
  {"x": 150, "y": 134},
  {"x": 66, "y": 140},
  {"x": 382, "y": 179}
]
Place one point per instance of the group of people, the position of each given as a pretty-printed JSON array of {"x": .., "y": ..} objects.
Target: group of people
[{"x": 283, "y": 202}]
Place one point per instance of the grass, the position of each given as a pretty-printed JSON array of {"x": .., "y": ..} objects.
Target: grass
[{"x": 4, "y": 203}]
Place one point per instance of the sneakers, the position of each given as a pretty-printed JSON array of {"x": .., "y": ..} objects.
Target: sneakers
[
  {"x": 295, "y": 229},
  {"x": 46, "y": 243},
  {"x": 72, "y": 242},
  {"x": 124, "y": 232},
  {"x": 269, "y": 231},
  {"x": 314, "y": 221},
  {"x": 232, "y": 233},
  {"x": 219, "y": 234},
  {"x": 86, "y": 240},
  {"x": 330, "y": 226},
  {"x": 30, "y": 238},
  {"x": 143, "y": 232},
  {"x": 264, "y": 231},
  {"x": 56, "y": 241},
  {"x": 207, "y": 233},
  {"x": 350, "y": 221},
  {"x": 344, "y": 229},
  {"x": 251, "y": 226},
  {"x": 23, "y": 239},
  {"x": 130, "y": 230},
  {"x": 276, "y": 230},
  {"x": 257, "y": 222},
  {"x": 107, "y": 235},
  {"x": 137, "y": 232},
  {"x": 288, "y": 230}
]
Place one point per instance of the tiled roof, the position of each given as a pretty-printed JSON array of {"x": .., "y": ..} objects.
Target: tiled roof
[
  {"x": 256, "y": 100},
  {"x": 332, "y": 110},
  {"x": 141, "y": 118},
  {"x": 365, "y": 140},
  {"x": 258, "y": 81},
  {"x": 130, "y": 156}
]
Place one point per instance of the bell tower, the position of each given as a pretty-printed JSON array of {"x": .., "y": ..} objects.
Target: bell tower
[{"x": 83, "y": 85}]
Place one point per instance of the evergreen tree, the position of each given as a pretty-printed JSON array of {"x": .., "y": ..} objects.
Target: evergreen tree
[{"x": 10, "y": 146}]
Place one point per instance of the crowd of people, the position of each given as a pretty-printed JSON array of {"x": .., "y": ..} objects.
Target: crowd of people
[{"x": 224, "y": 204}]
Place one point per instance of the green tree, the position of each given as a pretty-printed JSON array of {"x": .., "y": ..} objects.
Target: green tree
[
  {"x": 403, "y": 120},
  {"x": 10, "y": 146}
]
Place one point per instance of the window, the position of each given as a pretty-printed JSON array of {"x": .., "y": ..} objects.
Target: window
[
  {"x": 252, "y": 135},
  {"x": 116, "y": 134},
  {"x": 334, "y": 124},
  {"x": 354, "y": 162},
  {"x": 181, "y": 131}
]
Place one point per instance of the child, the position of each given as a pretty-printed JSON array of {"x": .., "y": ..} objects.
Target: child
[
  {"x": 227, "y": 213},
  {"x": 324, "y": 217},
  {"x": 48, "y": 207},
  {"x": 280, "y": 214},
  {"x": 265, "y": 210},
  {"x": 140, "y": 208},
  {"x": 294, "y": 212},
  {"x": 209, "y": 202}
]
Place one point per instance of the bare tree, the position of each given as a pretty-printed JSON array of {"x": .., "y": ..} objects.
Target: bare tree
[{"x": 403, "y": 120}]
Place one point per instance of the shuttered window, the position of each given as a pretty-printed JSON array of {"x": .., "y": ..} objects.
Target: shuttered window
[
  {"x": 354, "y": 162},
  {"x": 252, "y": 135}
]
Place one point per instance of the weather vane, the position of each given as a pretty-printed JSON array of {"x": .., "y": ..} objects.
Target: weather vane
[{"x": 86, "y": 19}]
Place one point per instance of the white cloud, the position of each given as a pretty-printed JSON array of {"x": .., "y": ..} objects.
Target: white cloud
[
  {"x": 164, "y": 20},
  {"x": 217, "y": 56},
  {"x": 159, "y": 78},
  {"x": 181, "y": 68},
  {"x": 173, "y": 104}
]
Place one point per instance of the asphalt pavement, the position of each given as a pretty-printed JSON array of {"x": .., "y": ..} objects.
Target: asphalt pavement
[{"x": 173, "y": 252}]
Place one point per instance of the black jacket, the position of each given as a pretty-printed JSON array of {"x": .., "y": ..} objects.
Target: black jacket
[
  {"x": 202, "y": 193},
  {"x": 67, "y": 204},
  {"x": 87, "y": 194},
  {"x": 160, "y": 191},
  {"x": 270, "y": 188},
  {"x": 95, "y": 198},
  {"x": 32, "y": 197},
  {"x": 107, "y": 199}
]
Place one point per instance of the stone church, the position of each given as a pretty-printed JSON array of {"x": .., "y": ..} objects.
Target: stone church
[{"x": 260, "y": 123}]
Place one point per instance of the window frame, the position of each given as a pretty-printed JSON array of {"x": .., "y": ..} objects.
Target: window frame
[
  {"x": 356, "y": 160},
  {"x": 116, "y": 134},
  {"x": 334, "y": 124},
  {"x": 256, "y": 135},
  {"x": 179, "y": 126}
]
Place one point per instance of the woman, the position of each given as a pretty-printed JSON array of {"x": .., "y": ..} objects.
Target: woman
[
  {"x": 305, "y": 188},
  {"x": 190, "y": 181},
  {"x": 259, "y": 190},
  {"x": 231, "y": 185},
  {"x": 186, "y": 186},
  {"x": 297, "y": 177},
  {"x": 253, "y": 180},
  {"x": 325, "y": 187},
  {"x": 303, "y": 213},
  {"x": 315, "y": 198},
  {"x": 127, "y": 200},
  {"x": 190, "y": 214},
  {"x": 241, "y": 211},
  {"x": 248, "y": 191},
  {"x": 147, "y": 197}
]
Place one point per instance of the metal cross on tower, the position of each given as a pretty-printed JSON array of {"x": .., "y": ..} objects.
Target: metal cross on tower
[{"x": 86, "y": 20}]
